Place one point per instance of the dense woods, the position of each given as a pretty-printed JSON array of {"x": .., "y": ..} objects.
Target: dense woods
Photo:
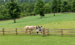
[{"x": 27, "y": 7}]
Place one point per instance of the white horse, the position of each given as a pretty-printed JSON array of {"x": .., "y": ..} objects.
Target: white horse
[{"x": 30, "y": 28}]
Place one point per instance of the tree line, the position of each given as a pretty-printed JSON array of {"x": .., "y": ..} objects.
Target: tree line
[{"x": 13, "y": 9}]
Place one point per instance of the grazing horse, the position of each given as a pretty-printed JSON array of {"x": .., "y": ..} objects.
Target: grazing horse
[{"x": 30, "y": 28}]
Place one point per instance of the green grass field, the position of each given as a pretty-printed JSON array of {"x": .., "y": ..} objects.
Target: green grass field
[
  {"x": 36, "y": 40},
  {"x": 61, "y": 20}
]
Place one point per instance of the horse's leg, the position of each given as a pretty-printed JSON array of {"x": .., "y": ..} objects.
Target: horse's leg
[
  {"x": 30, "y": 31},
  {"x": 37, "y": 33},
  {"x": 26, "y": 31},
  {"x": 41, "y": 31}
]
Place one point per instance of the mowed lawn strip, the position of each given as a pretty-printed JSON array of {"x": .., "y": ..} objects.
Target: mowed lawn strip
[{"x": 36, "y": 40}]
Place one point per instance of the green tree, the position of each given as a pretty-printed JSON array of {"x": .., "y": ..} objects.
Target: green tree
[
  {"x": 54, "y": 6},
  {"x": 70, "y": 5},
  {"x": 65, "y": 6},
  {"x": 47, "y": 8},
  {"x": 27, "y": 9},
  {"x": 59, "y": 5},
  {"x": 73, "y": 6},
  {"x": 39, "y": 8},
  {"x": 14, "y": 10},
  {"x": 4, "y": 12}
]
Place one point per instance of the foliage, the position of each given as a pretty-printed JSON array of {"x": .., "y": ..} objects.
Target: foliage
[
  {"x": 54, "y": 6},
  {"x": 28, "y": 8},
  {"x": 14, "y": 10},
  {"x": 73, "y": 6},
  {"x": 59, "y": 5},
  {"x": 4, "y": 12},
  {"x": 39, "y": 8},
  {"x": 47, "y": 8}
]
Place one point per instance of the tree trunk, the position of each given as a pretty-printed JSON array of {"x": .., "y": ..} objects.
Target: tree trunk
[
  {"x": 42, "y": 14},
  {"x": 54, "y": 13},
  {"x": 14, "y": 20}
]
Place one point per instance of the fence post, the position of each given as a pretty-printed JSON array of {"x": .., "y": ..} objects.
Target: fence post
[
  {"x": 16, "y": 32},
  {"x": 3, "y": 31},
  {"x": 62, "y": 32},
  {"x": 44, "y": 32},
  {"x": 48, "y": 31}
]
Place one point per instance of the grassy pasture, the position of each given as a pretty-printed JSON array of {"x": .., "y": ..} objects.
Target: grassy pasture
[
  {"x": 36, "y": 40},
  {"x": 61, "y": 20}
]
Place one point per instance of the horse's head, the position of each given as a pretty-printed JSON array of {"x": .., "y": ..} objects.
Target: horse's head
[{"x": 38, "y": 27}]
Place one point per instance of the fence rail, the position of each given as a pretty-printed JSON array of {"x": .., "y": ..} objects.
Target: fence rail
[{"x": 18, "y": 31}]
